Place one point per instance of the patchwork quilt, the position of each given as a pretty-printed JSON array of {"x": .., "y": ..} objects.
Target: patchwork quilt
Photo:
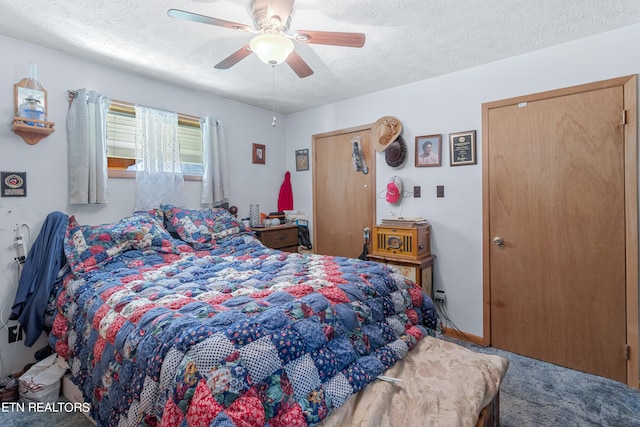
[{"x": 229, "y": 334}]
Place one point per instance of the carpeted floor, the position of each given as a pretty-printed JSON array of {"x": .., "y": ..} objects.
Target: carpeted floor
[{"x": 534, "y": 393}]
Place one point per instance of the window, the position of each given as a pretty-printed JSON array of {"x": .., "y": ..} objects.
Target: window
[{"x": 121, "y": 142}]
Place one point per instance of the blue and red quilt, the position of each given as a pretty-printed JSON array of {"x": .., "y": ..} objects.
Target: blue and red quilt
[{"x": 235, "y": 334}]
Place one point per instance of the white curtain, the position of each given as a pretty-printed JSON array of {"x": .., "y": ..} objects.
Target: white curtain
[
  {"x": 159, "y": 177},
  {"x": 87, "y": 147},
  {"x": 215, "y": 176}
]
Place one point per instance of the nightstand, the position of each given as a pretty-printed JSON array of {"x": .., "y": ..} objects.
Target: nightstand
[
  {"x": 281, "y": 237},
  {"x": 419, "y": 270}
]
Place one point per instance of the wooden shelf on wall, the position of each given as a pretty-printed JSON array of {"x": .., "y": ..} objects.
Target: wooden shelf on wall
[{"x": 32, "y": 133}]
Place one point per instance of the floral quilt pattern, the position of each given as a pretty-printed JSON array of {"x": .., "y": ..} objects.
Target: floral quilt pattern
[
  {"x": 201, "y": 228},
  {"x": 239, "y": 335}
]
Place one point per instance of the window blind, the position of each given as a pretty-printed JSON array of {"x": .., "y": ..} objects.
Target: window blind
[{"x": 121, "y": 139}]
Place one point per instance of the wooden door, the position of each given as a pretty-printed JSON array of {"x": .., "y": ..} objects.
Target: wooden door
[
  {"x": 556, "y": 208},
  {"x": 343, "y": 198}
]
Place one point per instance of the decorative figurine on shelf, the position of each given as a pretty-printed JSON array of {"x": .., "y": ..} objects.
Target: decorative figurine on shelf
[
  {"x": 32, "y": 109},
  {"x": 32, "y": 105}
]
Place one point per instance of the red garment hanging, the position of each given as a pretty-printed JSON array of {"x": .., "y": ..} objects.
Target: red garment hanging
[{"x": 285, "y": 198}]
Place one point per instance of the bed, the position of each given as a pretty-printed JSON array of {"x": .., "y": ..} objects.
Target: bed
[{"x": 182, "y": 317}]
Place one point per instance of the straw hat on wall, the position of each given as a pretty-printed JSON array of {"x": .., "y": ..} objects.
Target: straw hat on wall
[{"x": 385, "y": 131}]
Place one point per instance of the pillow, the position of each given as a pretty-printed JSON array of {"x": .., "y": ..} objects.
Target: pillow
[
  {"x": 87, "y": 247},
  {"x": 202, "y": 227},
  {"x": 144, "y": 230}
]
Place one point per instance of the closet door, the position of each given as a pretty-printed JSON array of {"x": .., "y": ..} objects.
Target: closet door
[
  {"x": 343, "y": 198},
  {"x": 556, "y": 228}
]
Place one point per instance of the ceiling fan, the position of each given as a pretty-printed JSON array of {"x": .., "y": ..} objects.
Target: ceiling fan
[{"x": 272, "y": 44}]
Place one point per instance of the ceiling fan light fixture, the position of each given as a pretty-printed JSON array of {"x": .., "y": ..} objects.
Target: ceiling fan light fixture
[{"x": 272, "y": 49}]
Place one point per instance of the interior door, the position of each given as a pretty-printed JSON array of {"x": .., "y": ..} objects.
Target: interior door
[
  {"x": 555, "y": 229},
  {"x": 343, "y": 198}
]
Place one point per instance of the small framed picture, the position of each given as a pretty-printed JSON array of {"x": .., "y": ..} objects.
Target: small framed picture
[
  {"x": 462, "y": 147},
  {"x": 429, "y": 150},
  {"x": 259, "y": 154},
  {"x": 302, "y": 160},
  {"x": 14, "y": 184}
]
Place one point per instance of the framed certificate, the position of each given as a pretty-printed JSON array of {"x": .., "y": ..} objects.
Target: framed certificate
[
  {"x": 462, "y": 148},
  {"x": 14, "y": 184}
]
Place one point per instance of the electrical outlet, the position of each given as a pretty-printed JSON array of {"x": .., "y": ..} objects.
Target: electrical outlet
[
  {"x": 416, "y": 191},
  {"x": 440, "y": 296},
  {"x": 15, "y": 333},
  {"x": 440, "y": 191}
]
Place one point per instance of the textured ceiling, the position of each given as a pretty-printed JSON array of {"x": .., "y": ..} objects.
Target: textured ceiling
[{"x": 407, "y": 40}]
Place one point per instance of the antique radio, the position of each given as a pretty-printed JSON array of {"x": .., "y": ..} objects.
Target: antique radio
[{"x": 402, "y": 242}]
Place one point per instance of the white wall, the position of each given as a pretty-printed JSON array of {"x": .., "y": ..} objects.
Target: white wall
[
  {"x": 46, "y": 162},
  {"x": 452, "y": 103}
]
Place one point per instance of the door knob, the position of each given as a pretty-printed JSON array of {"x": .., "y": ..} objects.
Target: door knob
[{"x": 498, "y": 241}]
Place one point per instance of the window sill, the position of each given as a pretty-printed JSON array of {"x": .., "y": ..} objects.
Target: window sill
[{"x": 112, "y": 173}]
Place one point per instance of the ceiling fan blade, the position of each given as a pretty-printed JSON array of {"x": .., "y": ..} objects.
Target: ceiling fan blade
[
  {"x": 189, "y": 16},
  {"x": 234, "y": 58},
  {"x": 298, "y": 65},
  {"x": 331, "y": 38}
]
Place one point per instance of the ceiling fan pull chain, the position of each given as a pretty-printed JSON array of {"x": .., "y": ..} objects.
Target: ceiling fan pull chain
[{"x": 273, "y": 105}]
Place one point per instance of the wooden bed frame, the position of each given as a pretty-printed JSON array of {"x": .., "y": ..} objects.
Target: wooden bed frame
[{"x": 490, "y": 414}]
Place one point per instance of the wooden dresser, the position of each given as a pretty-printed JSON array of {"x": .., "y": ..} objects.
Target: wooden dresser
[
  {"x": 282, "y": 237},
  {"x": 419, "y": 270},
  {"x": 407, "y": 249}
]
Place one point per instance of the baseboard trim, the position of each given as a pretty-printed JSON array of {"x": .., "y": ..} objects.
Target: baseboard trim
[{"x": 454, "y": 333}]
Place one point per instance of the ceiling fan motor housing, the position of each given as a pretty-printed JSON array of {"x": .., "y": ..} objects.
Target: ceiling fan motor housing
[{"x": 266, "y": 17}]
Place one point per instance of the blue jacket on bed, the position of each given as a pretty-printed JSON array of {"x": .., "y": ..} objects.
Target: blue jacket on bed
[{"x": 44, "y": 261}]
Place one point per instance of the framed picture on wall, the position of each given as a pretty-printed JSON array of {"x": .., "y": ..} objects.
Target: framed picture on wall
[
  {"x": 462, "y": 148},
  {"x": 302, "y": 160},
  {"x": 259, "y": 154},
  {"x": 429, "y": 150},
  {"x": 14, "y": 184}
]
